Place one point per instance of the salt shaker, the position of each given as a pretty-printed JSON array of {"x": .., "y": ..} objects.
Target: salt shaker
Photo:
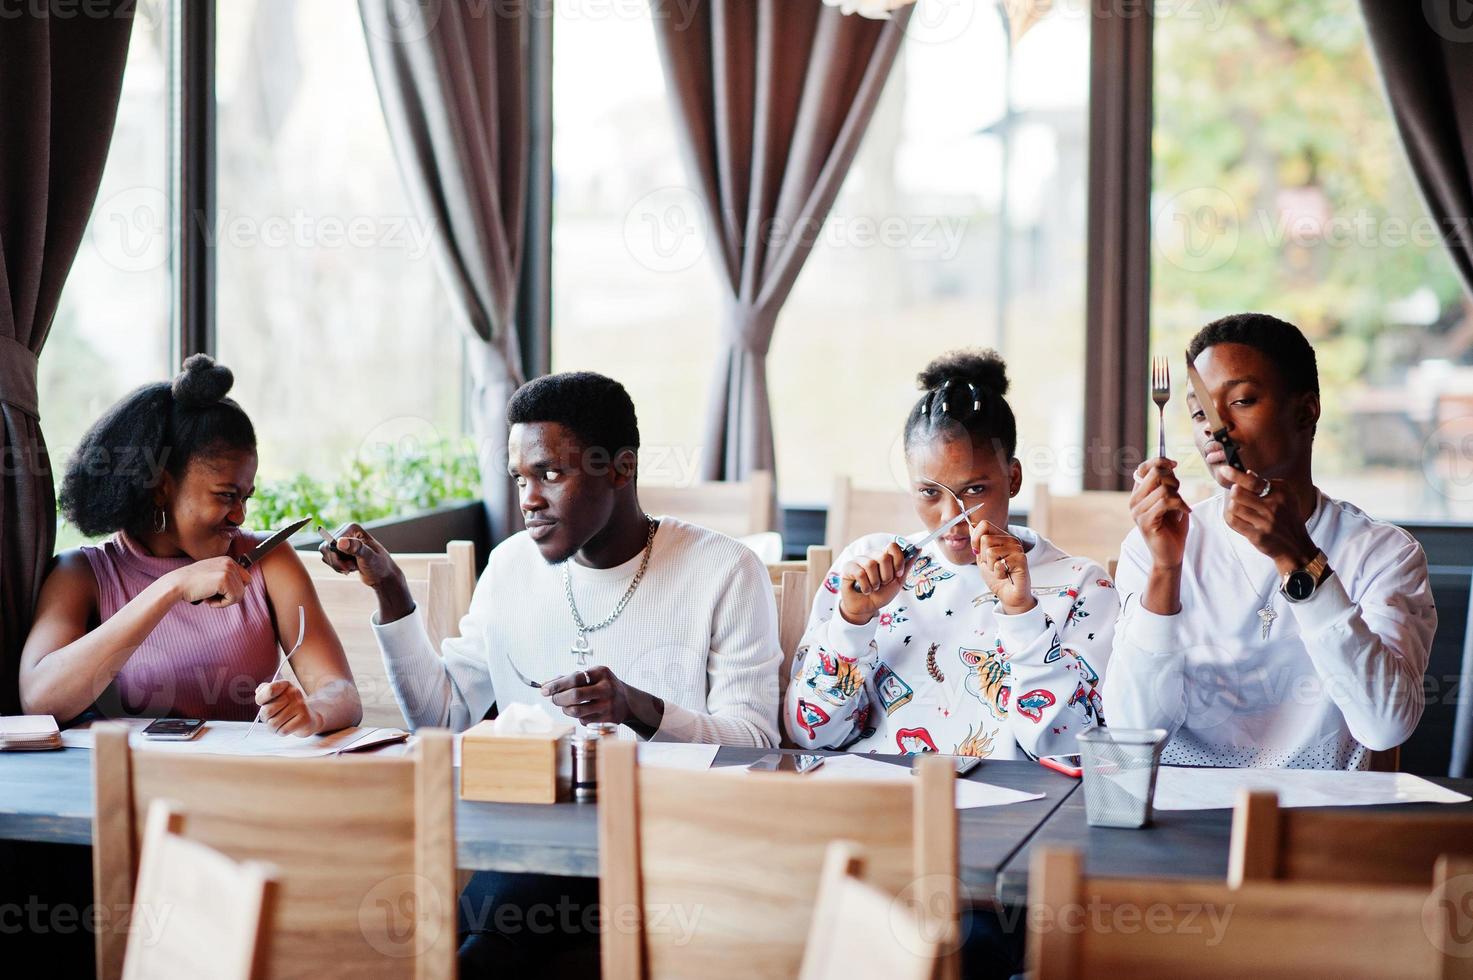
[{"x": 585, "y": 760}]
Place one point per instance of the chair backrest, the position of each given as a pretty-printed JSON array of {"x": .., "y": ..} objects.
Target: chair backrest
[
  {"x": 1207, "y": 930},
  {"x": 735, "y": 508},
  {"x": 195, "y": 913},
  {"x": 792, "y": 616},
  {"x": 903, "y": 950},
  {"x": 364, "y": 847},
  {"x": 854, "y": 513},
  {"x": 715, "y": 873},
  {"x": 441, "y": 585},
  {"x": 1271, "y": 843},
  {"x": 1091, "y": 524}
]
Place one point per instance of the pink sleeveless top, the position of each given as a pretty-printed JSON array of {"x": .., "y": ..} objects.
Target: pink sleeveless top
[{"x": 199, "y": 662}]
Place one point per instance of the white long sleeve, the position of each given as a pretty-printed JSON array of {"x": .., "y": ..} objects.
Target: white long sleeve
[
  {"x": 700, "y": 633},
  {"x": 1337, "y": 675},
  {"x": 940, "y": 670}
]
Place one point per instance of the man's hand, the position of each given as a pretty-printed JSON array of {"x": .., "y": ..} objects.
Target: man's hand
[
  {"x": 1160, "y": 512},
  {"x": 355, "y": 550},
  {"x": 597, "y": 695},
  {"x": 1272, "y": 523}
]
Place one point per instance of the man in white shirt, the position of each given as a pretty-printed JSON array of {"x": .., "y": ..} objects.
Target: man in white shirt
[
  {"x": 660, "y": 626},
  {"x": 1270, "y": 625}
]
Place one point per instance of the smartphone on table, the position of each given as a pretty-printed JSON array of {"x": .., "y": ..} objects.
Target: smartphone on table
[
  {"x": 174, "y": 729},
  {"x": 1069, "y": 765},
  {"x": 962, "y": 764},
  {"x": 780, "y": 762}
]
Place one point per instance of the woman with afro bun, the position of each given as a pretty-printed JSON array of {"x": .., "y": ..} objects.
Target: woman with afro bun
[
  {"x": 159, "y": 620},
  {"x": 988, "y": 642}
]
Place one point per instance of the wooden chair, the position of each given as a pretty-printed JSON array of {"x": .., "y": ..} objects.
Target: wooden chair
[
  {"x": 441, "y": 585},
  {"x": 854, "y": 513},
  {"x": 792, "y": 616},
  {"x": 840, "y": 948},
  {"x": 1205, "y": 930},
  {"x": 714, "y": 874},
  {"x": 365, "y": 847},
  {"x": 196, "y": 912},
  {"x": 1340, "y": 845},
  {"x": 735, "y": 508},
  {"x": 1091, "y": 524}
]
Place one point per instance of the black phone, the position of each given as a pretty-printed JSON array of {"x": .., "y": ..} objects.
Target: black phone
[
  {"x": 963, "y": 764},
  {"x": 174, "y": 729},
  {"x": 780, "y": 762}
]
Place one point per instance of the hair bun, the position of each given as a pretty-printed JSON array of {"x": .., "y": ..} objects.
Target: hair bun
[
  {"x": 202, "y": 382},
  {"x": 983, "y": 368}
]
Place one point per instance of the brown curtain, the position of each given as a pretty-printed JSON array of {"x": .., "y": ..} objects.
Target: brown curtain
[
  {"x": 61, "y": 76},
  {"x": 1425, "y": 52},
  {"x": 772, "y": 99},
  {"x": 451, "y": 78}
]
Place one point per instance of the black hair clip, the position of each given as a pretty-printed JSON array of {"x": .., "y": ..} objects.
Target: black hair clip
[{"x": 945, "y": 405}]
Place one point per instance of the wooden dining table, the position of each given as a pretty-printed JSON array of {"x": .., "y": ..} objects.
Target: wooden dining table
[{"x": 47, "y": 797}]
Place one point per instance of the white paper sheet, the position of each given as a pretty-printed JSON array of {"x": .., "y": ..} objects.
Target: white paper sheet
[
  {"x": 969, "y": 792},
  {"x": 1180, "y": 788},
  {"x": 228, "y": 738},
  {"x": 677, "y": 755}
]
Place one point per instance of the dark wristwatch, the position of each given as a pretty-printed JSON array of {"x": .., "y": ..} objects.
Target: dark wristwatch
[{"x": 1300, "y": 585}]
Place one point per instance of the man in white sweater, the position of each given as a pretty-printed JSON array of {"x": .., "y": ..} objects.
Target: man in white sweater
[
  {"x": 1270, "y": 625},
  {"x": 660, "y": 626}
]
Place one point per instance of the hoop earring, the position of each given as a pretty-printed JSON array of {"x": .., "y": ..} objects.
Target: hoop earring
[{"x": 160, "y": 521}]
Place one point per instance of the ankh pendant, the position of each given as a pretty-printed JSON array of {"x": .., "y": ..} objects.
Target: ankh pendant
[
  {"x": 1267, "y": 615},
  {"x": 582, "y": 649}
]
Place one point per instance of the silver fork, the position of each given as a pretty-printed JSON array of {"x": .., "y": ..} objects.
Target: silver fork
[
  {"x": 524, "y": 678},
  {"x": 1161, "y": 394}
]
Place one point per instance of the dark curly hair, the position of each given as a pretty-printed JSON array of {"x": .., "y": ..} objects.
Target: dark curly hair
[
  {"x": 1278, "y": 340},
  {"x": 597, "y": 409},
  {"x": 965, "y": 389},
  {"x": 158, "y": 428}
]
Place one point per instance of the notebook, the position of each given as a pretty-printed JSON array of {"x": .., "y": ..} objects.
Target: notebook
[{"x": 28, "y": 733}]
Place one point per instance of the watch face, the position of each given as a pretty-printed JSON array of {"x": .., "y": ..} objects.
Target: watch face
[{"x": 1300, "y": 586}]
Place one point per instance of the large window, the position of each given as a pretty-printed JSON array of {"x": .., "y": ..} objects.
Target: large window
[
  {"x": 111, "y": 331},
  {"x": 960, "y": 224},
  {"x": 330, "y": 312},
  {"x": 634, "y": 294},
  {"x": 1280, "y": 186}
]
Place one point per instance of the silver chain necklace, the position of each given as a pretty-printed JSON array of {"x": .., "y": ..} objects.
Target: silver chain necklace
[
  {"x": 582, "y": 649},
  {"x": 1266, "y": 615}
]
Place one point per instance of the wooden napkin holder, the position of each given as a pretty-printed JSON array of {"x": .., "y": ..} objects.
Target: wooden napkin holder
[{"x": 521, "y": 768}]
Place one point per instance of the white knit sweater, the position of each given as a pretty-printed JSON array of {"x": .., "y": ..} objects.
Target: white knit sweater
[{"x": 700, "y": 632}]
